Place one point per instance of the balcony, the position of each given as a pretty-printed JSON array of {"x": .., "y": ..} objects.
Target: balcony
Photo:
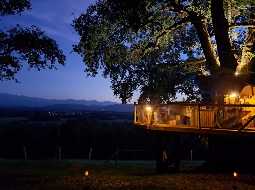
[{"x": 197, "y": 118}]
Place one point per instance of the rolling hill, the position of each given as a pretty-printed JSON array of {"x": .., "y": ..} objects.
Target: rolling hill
[{"x": 17, "y": 101}]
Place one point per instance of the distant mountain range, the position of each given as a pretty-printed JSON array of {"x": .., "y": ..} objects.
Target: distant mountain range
[{"x": 16, "y": 101}]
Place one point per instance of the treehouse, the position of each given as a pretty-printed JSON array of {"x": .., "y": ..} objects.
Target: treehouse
[{"x": 235, "y": 116}]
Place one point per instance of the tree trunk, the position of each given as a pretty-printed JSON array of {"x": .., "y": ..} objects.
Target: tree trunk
[
  {"x": 228, "y": 62},
  {"x": 212, "y": 64},
  {"x": 168, "y": 152},
  {"x": 204, "y": 38}
]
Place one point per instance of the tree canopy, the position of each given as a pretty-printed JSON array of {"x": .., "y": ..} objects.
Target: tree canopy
[
  {"x": 198, "y": 48},
  {"x": 20, "y": 45}
]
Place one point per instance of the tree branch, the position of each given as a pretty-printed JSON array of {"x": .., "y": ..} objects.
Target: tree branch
[
  {"x": 171, "y": 28},
  {"x": 246, "y": 25},
  {"x": 155, "y": 43},
  {"x": 195, "y": 62},
  {"x": 228, "y": 62}
]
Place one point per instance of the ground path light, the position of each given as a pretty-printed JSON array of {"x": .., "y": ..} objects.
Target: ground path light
[
  {"x": 86, "y": 173},
  {"x": 235, "y": 174}
]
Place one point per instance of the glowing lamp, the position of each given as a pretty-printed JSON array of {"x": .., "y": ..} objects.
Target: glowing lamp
[{"x": 237, "y": 73}]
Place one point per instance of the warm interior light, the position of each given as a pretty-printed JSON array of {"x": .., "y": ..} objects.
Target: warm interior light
[
  {"x": 233, "y": 95},
  {"x": 86, "y": 173},
  {"x": 148, "y": 108},
  {"x": 237, "y": 73}
]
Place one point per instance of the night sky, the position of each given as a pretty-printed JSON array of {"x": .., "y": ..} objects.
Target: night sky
[{"x": 69, "y": 81}]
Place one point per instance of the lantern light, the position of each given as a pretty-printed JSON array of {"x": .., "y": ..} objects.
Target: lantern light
[
  {"x": 148, "y": 108},
  {"x": 233, "y": 95}
]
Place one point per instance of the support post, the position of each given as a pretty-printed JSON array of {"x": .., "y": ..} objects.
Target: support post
[
  {"x": 135, "y": 112},
  {"x": 167, "y": 152},
  {"x": 199, "y": 118}
]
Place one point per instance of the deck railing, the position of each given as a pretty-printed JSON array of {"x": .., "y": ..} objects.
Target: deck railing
[{"x": 238, "y": 117}]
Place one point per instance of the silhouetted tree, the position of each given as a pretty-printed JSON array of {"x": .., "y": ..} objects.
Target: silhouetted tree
[
  {"x": 21, "y": 45},
  {"x": 162, "y": 48}
]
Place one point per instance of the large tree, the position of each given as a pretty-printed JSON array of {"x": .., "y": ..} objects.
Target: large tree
[
  {"x": 198, "y": 48},
  {"x": 20, "y": 45}
]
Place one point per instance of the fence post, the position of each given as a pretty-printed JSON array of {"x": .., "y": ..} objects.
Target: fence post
[
  {"x": 116, "y": 156},
  {"x": 59, "y": 153},
  {"x": 25, "y": 152},
  {"x": 90, "y": 153},
  {"x": 191, "y": 154}
]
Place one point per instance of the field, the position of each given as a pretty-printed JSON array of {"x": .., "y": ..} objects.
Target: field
[{"x": 65, "y": 175}]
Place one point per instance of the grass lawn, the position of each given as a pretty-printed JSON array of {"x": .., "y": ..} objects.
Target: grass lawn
[{"x": 69, "y": 174}]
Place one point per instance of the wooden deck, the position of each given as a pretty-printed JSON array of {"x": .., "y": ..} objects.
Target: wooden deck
[{"x": 197, "y": 118}]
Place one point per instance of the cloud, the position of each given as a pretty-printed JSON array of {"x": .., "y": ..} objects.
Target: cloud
[
  {"x": 55, "y": 17},
  {"x": 40, "y": 16},
  {"x": 60, "y": 32}
]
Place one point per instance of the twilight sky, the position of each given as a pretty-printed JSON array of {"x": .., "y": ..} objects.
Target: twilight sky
[{"x": 69, "y": 81}]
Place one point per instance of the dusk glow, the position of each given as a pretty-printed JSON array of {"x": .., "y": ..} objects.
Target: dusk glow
[
  {"x": 127, "y": 94},
  {"x": 69, "y": 81}
]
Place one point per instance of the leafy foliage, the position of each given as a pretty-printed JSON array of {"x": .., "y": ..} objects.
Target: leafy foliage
[
  {"x": 161, "y": 48},
  {"x": 39, "y": 51},
  {"x": 25, "y": 45},
  {"x": 8, "y": 7}
]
